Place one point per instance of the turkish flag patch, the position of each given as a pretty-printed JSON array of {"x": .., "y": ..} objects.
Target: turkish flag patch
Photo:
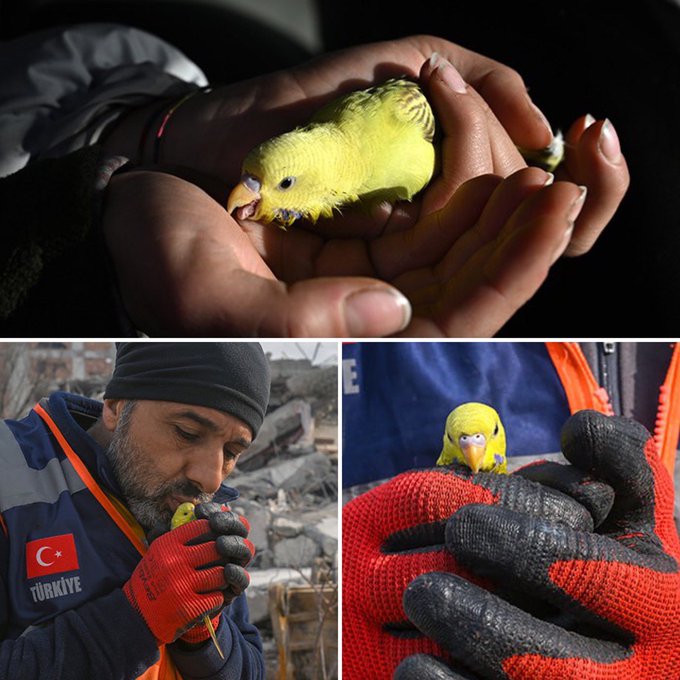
[{"x": 51, "y": 555}]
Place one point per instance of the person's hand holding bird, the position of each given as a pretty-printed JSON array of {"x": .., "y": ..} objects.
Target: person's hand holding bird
[
  {"x": 433, "y": 267},
  {"x": 184, "y": 514}
]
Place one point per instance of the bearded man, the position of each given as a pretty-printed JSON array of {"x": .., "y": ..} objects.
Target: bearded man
[{"x": 94, "y": 584}]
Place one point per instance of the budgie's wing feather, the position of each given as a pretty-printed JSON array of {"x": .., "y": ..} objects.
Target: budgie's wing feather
[
  {"x": 411, "y": 106},
  {"x": 402, "y": 97}
]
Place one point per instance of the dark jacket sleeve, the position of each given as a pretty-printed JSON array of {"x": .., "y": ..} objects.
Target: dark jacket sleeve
[
  {"x": 240, "y": 642},
  {"x": 104, "y": 639},
  {"x": 54, "y": 273}
]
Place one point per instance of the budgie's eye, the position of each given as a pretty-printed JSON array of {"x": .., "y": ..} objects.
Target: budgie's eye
[
  {"x": 476, "y": 439},
  {"x": 286, "y": 183},
  {"x": 495, "y": 430}
]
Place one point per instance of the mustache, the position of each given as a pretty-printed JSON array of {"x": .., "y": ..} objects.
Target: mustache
[{"x": 185, "y": 489}]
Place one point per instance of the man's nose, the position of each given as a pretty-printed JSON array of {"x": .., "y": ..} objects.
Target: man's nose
[{"x": 206, "y": 472}]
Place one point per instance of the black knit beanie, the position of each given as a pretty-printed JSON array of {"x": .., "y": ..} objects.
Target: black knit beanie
[{"x": 228, "y": 376}]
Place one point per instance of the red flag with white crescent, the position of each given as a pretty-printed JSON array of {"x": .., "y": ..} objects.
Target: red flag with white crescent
[{"x": 51, "y": 555}]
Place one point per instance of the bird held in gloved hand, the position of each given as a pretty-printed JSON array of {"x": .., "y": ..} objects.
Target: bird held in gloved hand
[
  {"x": 370, "y": 145},
  {"x": 474, "y": 436},
  {"x": 183, "y": 514}
]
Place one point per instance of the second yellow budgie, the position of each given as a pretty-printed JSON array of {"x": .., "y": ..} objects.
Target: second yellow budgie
[
  {"x": 370, "y": 145},
  {"x": 183, "y": 514},
  {"x": 474, "y": 435}
]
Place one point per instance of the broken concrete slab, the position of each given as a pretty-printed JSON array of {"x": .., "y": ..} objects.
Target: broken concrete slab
[
  {"x": 297, "y": 552},
  {"x": 288, "y": 424},
  {"x": 302, "y": 474},
  {"x": 257, "y": 593}
]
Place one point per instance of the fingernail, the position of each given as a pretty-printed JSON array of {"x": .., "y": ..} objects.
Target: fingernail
[
  {"x": 434, "y": 59},
  {"x": 609, "y": 142},
  {"x": 376, "y": 312},
  {"x": 448, "y": 73},
  {"x": 542, "y": 117},
  {"x": 588, "y": 121},
  {"x": 576, "y": 206},
  {"x": 549, "y": 179}
]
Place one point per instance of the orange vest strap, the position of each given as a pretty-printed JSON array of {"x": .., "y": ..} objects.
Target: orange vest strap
[
  {"x": 89, "y": 481},
  {"x": 667, "y": 428},
  {"x": 582, "y": 391},
  {"x": 164, "y": 668},
  {"x": 579, "y": 384}
]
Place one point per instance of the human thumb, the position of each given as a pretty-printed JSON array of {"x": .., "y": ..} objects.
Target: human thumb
[{"x": 319, "y": 307}]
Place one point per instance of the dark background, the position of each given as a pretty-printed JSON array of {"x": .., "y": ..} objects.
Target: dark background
[{"x": 610, "y": 59}]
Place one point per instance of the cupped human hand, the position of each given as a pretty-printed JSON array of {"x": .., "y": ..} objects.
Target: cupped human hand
[
  {"x": 184, "y": 266},
  {"x": 213, "y": 132},
  {"x": 459, "y": 261}
]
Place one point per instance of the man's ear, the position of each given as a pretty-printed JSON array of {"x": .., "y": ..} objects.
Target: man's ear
[{"x": 111, "y": 413}]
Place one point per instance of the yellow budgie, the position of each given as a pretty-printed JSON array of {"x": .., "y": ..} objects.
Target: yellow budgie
[
  {"x": 474, "y": 435},
  {"x": 370, "y": 145},
  {"x": 184, "y": 514}
]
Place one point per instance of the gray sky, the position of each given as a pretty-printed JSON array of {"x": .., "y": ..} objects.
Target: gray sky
[{"x": 326, "y": 352}]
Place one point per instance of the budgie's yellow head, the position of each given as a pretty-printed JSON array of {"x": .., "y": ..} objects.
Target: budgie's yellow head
[
  {"x": 474, "y": 436},
  {"x": 183, "y": 514},
  {"x": 286, "y": 178}
]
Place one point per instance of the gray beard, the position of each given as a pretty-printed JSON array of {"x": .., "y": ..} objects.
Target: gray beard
[{"x": 146, "y": 503}]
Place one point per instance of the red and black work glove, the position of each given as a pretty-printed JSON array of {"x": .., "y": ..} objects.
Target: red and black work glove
[
  {"x": 611, "y": 597},
  {"x": 230, "y": 532},
  {"x": 395, "y": 532},
  {"x": 191, "y": 571}
]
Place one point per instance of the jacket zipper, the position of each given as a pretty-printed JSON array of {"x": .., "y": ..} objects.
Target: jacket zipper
[{"x": 608, "y": 370}]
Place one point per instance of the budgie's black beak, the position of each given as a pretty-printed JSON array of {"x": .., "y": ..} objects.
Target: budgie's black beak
[{"x": 245, "y": 196}]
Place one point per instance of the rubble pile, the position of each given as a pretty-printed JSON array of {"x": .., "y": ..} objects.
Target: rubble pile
[{"x": 288, "y": 481}]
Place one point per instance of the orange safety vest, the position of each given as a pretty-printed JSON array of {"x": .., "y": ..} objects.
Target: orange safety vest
[
  {"x": 583, "y": 392},
  {"x": 164, "y": 668}
]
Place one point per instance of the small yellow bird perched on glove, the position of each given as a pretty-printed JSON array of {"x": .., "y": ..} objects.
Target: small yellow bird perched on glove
[
  {"x": 183, "y": 514},
  {"x": 474, "y": 436},
  {"x": 370, "y": 145}
]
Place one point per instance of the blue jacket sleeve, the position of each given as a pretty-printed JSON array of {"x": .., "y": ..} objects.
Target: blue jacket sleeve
[
  {"x": 104, "y": 639},
  {"x": 240, "y": 641}
]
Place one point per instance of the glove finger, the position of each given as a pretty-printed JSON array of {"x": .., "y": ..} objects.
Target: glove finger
[
  {"x": 596, "y": 496},
  {"x": 206, "y": 510},
  {"x": 425, "y": 667},
  {"x": 483, "y": 632},
  {"x": 509, "y": 491},
  {"x": 209, "y": 580},
  {"x": 229, "y": 523},
  {"x": 237, "y": 579},
  {"x": 523, "y": 495},
  {"x": 567, "y": 568},
  {"x": 222, "y": 523},
  {"x": 235, "y": 549},
  {"x": 202, "y": 555},
  {"x": 191, "y": 533},
  {"x": 621, "y": 452}
]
